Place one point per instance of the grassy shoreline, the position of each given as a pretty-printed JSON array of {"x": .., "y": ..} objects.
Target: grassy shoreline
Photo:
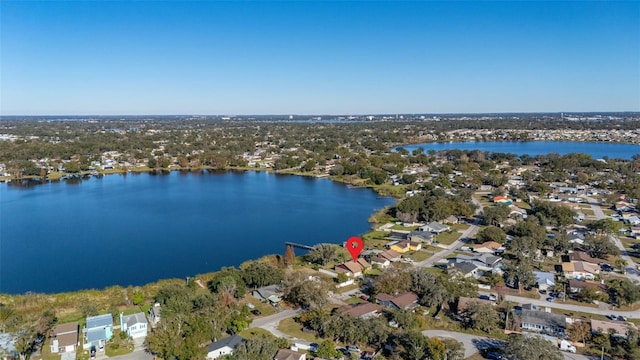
[{"x": 62, "y": 300}]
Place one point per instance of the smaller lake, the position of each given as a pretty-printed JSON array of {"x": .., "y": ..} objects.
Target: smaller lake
[{"x": 597, "y": 150}]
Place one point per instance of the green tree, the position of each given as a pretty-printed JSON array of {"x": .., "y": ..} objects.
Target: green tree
[
  {"x": 599, "y": 246},
  {"x": 322, "y": 254},
  {"x": 482, "y": 316},
  {"x": 327, "y": 350},
  {"x": 260, "y": 273},
  {"x": 138, "y": 298},
  {"x": 494, "y": 215},
  {"x": 491, "y": 233},
  {"x": 263, "y": 347},
  {"x": 298, "y": 289},
  {"x": 531, "y": 348}
]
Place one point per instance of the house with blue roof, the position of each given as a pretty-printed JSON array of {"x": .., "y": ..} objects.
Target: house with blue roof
[{"x": 98, "y": 330}]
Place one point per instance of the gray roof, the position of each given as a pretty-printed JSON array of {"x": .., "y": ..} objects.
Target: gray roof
[
  {"x": 266, "y": 291},
  {"x": 465, "y": 267},
  {"x": 421, "y": 234},
  {"x": 231, "y": 341},
  {"x": 543, "y": 318},
  {"x": 96, "y": 335},
  {"x": 8, "y": 342},
  {"x": 437, "y": 226},
  {"x": 99, "y": 321},
  {"x": 544, "y": 278},
  {"x": 137, "y": 318}
]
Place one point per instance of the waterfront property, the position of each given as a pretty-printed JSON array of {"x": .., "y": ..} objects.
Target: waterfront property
[
  {"x": 64, "y": 338},
  {"x": 98, "y": 331},
  {"x": 135, "y": 325}
]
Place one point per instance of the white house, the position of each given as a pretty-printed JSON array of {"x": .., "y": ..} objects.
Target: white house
[
  {"x": 134, "y": 325},
  {"x": 435, "y": 227},
  {"x": 154, "y": 313},
  {"x": 223, "y": 347}
]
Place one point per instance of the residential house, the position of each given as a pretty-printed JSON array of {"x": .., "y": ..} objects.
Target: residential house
[
  {"x": 485, "y": 262},
  {"x": 580, "y": 270},
  {"x": 223, "y": 347},
  {"x": 618, "y": 328},
  {"x": 435, "y": 227},
  {"x": 502, "y": 200},
  {"x": 576, "y": 237},
  {"x": 545, "y": 280},
  {"x": 623, "y": 206},
  {"x": 380, "y": 261},
  {"x": 98, "y": 331},
  {"x": 583, "y": 256},
  {"x": 517, "y": 212},
  {"x": 154, "y": 313},
  {"x": 576, "y": 286},
  {"x": 405, "y": 301},
  {"x": 365, "y": 310},
  {"x": 635, "y": 232},
  {"x": 64, "y": 338},
  {"x": 632, "y": 220},
  {"x": 420, "y": 236},
  {"x": 353, "y": 268},
  {"x": 135, "y": 325},
  {"x": 286, "y": 354},
  {"x": 270, "y": 293},
  {"x": 451, "y": 219},
  {"x": 464, "y": 269},
  {"x": 390, "y": 255},
  {"x": 545, "y": 322},
  {"x": 8, "y": 346},
  {"x": 488, "y": 247},
  {"x": 406, "y": 245}
]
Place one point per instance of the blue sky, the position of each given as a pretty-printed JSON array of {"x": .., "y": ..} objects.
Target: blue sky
[{"x": 303, "y": 57}]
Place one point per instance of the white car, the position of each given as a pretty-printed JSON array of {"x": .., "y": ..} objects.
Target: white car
[{"x": 353, "y": 348}]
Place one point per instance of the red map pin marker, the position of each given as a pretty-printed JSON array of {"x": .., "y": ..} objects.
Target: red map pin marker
[{"x": 354, "y": 246}]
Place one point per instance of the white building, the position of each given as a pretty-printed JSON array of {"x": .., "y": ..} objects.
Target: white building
[{"x": 134, "y": 325}]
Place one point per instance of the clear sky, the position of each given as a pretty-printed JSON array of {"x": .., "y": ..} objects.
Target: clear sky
[{"x": 304, "y": 57}]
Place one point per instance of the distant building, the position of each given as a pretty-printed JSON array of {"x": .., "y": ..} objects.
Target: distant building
[{"x": 134, "y": 325}]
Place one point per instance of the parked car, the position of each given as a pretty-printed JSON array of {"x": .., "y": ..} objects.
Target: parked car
[
  {"x": 622, "y": 318},
  {"x": 93, "y": 352},
  {"x": 550, "y": 299},
  {"x": 256, "y": 312},
  {"x": 543, "y": 292},
  {"x": 612, "y": 316},
  {"x": 313, "y": 347},
  {"x": 353, "y": 348}
]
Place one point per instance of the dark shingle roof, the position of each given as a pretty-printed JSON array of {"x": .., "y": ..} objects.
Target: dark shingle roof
[{"x": 231, "y": 341}]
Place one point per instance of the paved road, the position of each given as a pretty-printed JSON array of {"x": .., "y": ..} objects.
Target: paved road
[
  {"x": 136, "y": 355},
  {"x": 467, "y": 234},
  {"x": 631, "y": 271},
  {"x": 570, "y": 307},
  {"x": 473, "y": 344},
  {"x": 270, "y": 323}
]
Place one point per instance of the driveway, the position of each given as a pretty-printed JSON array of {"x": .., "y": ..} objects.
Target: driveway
[
  {"x": 467, "y": 234},
  {"x": 631, "y": 271},
  {"x": 472, "y": 343}
]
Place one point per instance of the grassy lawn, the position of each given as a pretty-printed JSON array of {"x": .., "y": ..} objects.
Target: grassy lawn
[
  {"x": 46, "y": 352},
  {"x": 460, "y": 227},
  {"x": 447, "y": 238},
  {"x": 292, "y": 328},
  {"x": 264, "y": 308},
  {"x": 116, "y": 349},
  {"x": 348, "y": 288},
  {"x": 420, "y": 255},
  {"x": 404, "y": 228},
  {"x": 354, "y": 300}
]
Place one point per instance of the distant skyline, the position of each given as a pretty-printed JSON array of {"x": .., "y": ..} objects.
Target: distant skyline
[{"x": 305, "y": 57}]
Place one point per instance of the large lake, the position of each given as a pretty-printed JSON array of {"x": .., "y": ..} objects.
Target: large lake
[
  {"x": 597, "y": 150},
  {"x": 136, "y": 229}
]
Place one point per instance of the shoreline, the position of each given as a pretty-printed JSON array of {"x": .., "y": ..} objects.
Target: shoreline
[{"x": 158, "y": 282}]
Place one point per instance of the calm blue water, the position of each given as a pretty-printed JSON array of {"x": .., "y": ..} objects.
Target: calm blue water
[
  {"x": 136, "y": 229},
  {"x": 532, "y": 148}
]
